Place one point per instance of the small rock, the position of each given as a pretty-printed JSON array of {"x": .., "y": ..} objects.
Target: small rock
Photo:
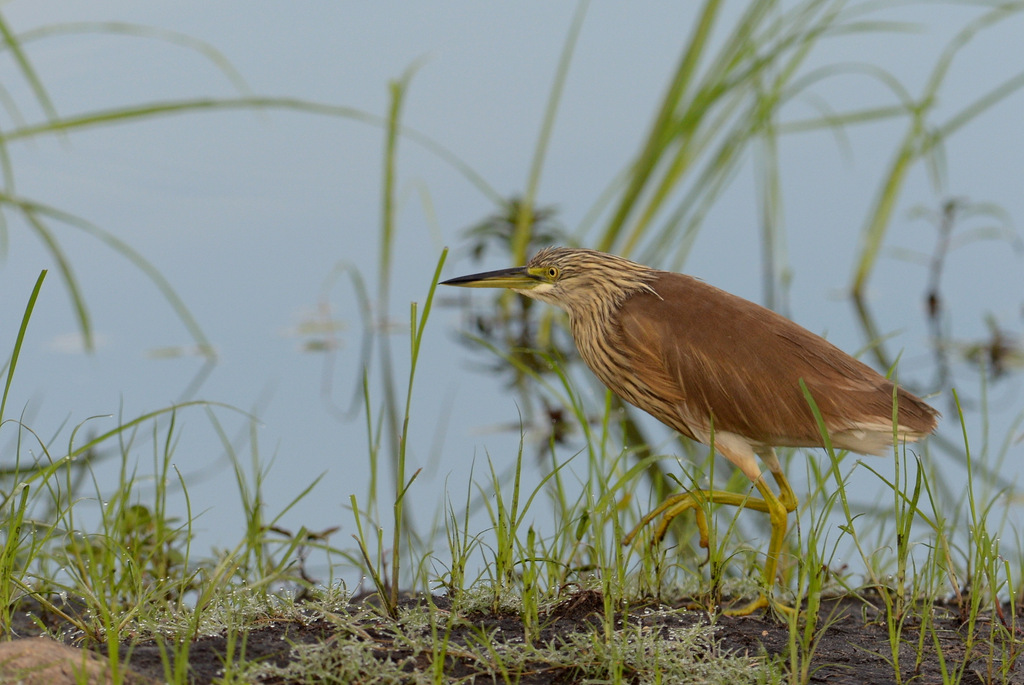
[{"x": 42, "y": 661}]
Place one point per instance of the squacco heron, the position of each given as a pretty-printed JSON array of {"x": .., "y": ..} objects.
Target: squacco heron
[{"x": 718, "y": 369}]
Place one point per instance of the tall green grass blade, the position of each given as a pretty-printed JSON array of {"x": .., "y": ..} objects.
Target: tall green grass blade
[
  {"x": 109, "y": 28},
  {"x": 32, "y": 212},
  {"x": 12, "y": 525},
  {"x": 51, "y": 244},
  {"x": 21, "y": 59},
  {"x": 525, "y": 216},
  {"x": 19, "y": 341},
  {"x": 922, "y": 138},
  {"x": 120, "y": 115},
  {"x": 654, "y": 147},
  {"x": 417, "y": 328},
  {"x": 397, "y": 90}
]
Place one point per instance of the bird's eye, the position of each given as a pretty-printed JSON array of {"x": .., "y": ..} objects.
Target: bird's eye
[{"x": 552, "y": 272}]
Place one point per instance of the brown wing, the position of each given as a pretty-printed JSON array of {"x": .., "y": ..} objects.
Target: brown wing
[{"x": 713, "y": 354}]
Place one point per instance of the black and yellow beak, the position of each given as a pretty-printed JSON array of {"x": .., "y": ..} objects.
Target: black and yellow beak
[{"x": 517, "y": 278}]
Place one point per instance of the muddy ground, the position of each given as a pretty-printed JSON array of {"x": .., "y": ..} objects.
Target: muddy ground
[{"x": 855, "y": 648}]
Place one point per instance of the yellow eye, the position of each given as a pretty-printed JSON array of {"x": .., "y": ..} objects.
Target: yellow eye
[{"x": 552, "y": 272}]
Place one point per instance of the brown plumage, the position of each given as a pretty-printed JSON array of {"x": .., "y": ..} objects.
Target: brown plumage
[
  {"x": 715, "y": 367},
  {"x": 742, "y": 364}
]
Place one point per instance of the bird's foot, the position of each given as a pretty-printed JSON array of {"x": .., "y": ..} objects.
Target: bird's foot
[
  {"x": 779, "y": 609},
  {"x": 677, "y": 504},
  {"x": 762, "y": 602}
]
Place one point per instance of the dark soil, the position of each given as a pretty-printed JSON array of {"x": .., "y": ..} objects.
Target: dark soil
[{"x": 853, "y": 648}]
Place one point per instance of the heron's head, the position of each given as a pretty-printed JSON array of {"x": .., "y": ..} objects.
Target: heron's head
[{"x": 575, "y": 279}]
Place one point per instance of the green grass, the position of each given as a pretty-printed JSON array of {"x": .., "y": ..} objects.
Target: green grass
[
  {"x": 517, "y": 545},
  {"x": 132, "y": 567}
]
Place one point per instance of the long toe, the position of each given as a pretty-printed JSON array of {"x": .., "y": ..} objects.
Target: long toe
[{"x": 761, "y": 602}]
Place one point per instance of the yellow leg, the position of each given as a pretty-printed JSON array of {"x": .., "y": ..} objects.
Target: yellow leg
[{"x": 778, "y": 507}]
